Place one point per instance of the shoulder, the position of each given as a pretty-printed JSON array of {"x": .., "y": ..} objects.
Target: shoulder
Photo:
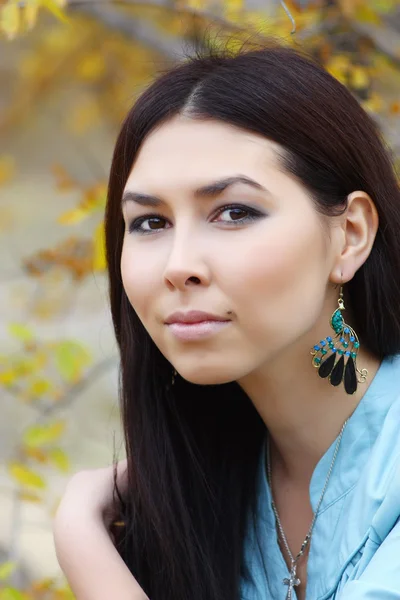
[
  {"x": 374, "y": 455},
  {"x": 381, "y": 482}
]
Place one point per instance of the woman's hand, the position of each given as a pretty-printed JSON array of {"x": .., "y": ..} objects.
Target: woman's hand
[
  {"x": 82, "y": 537},
  {"x": 90, "y": 492}
]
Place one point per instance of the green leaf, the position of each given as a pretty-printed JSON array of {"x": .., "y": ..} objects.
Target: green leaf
[
  {"x": 10, "y": 593},
  {"x": 60, "y": 459},
  {"x": 71, "y": 358},
  {"x": 20, "y": 331},
  {"x": 6, "y": 569},
  {"x": 10, "y": 19},
  {"x": 383, "y": 6}
]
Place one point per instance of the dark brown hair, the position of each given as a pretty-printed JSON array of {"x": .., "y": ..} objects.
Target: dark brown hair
[{"x": 193, "y": 450}]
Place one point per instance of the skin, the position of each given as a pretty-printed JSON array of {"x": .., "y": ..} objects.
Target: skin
[{"x": 276, "y": 277}]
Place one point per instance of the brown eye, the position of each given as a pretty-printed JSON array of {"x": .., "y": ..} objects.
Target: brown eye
[
  {"x": 234, "y": 213},
  {"x": 238, "y": 214},
  {"x": 154, "y": 224}
]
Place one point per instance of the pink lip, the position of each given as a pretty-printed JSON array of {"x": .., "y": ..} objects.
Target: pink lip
[
  {"x": 196, "y": 331},
  {"x": 193, "y": 316}
]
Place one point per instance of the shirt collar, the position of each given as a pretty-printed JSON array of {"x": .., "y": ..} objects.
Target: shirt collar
[
  {"x": 361, "y": 431},
  {"x": 358, "y": 438}
]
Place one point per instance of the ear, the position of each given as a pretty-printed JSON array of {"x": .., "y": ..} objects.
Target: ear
[{"x": 358, "y": 225}]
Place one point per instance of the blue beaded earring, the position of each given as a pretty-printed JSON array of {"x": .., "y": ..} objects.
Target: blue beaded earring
[{"x": 344, "y": 346}]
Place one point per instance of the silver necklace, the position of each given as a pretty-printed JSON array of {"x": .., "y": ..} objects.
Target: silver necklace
[{"x": 293, "y": 581}]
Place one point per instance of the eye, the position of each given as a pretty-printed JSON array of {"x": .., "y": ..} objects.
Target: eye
[
  {"x": 239, "y": 215},
  {"x": 153, "y": 222}
]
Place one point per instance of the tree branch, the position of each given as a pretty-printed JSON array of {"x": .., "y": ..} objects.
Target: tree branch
[
  {"x": 73, "y": 392},
  {"x": 385, "y": 38},
  {"x": 170, "y": 47}
]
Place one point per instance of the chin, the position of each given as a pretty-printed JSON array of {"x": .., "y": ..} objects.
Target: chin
[{"x": 205, "y": 377}]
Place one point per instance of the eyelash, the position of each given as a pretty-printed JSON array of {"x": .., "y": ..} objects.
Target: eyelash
[{"x": 134, "y": 226}]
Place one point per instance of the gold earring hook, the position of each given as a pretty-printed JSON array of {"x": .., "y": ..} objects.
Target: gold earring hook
[{"x": 341, "y": 301}]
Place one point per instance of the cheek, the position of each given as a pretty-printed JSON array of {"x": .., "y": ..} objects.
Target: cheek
[
  {"x": 139, "y": 280},
  {"x": 279, "y": 280}
]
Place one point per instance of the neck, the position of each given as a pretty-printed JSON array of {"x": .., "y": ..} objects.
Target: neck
[{"x": 302, "y": 412}]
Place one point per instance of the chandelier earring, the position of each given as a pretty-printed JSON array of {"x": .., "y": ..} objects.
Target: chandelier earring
[{"x": 335, "y": 357}]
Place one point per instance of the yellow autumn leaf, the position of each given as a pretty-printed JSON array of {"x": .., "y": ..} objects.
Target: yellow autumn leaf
[
  {"x": 41, "y": 435},
  {"x": 59, "y": 458},
  {"x": 7, "y": 163},
  {"x": 70, "y": 217},
  {"x": 93, "y": 200},
  {"x": 39, "y": 387},
  {"x": 196, "y": 4},
  {"x": 394, "y": 108},
  {"x": 8, "y": 377},
  {"x": 64, "y": 181},
  {"x": 71, "y": 358},
  {"x": 84, "y": 116},
  {"x": 20, "y": 331},
  {"x": 99, "y": 251},
  {"x": 358, "y": 78},
  {"x": 374, "y": 104},
  {"x": 232, "y": 8},
  {"x": 63, "y": 594},
  {"x": 7, "y": 569},
  {"x": 36, "y": 454},
  {"x": 30, "y": 497},
  {"x": 234, "y": 4},
  {"x": 10, "y": 593},
  {"x": 26, "y": 476},
  {"x": 366, "y": 14},
  {"x": 24, "y": 366},
  {"x": 348, "y": 7},
  {"x": 91, "y": 67},
  {"x": 30, "y": 13},
  {"x": 55, "y": 8},
  {"x": 10, "y": 19},
  {"x": 43, "y": 585},
  {"x": 339, "y": 67}
]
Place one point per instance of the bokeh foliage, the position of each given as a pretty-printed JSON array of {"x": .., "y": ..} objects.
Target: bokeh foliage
[{"x": 357, "y": 41}]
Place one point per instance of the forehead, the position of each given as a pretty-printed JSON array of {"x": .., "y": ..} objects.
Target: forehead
[{"x": 193, "y": 151}]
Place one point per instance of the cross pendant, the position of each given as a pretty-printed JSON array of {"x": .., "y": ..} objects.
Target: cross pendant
[{"x": 292, "y": 582}]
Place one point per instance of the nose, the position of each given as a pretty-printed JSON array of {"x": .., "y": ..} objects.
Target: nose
[{"x": 186, "y": 262}]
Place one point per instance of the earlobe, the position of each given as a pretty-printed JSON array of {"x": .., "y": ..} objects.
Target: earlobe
[{"x": 360, "y": 225}]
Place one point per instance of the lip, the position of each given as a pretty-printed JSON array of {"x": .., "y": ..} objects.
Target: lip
[
  {"x": 196, "y": 331},
  {"x": 193, "y": 316}
]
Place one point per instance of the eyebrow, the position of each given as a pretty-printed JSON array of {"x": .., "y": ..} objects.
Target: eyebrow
[{"x": 212, "y": 189}]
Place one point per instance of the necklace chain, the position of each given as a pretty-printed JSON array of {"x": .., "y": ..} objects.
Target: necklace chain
[{"x": 278, "y": 521}]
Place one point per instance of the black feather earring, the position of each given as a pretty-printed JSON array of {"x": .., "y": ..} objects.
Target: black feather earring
[{"x": 336, "y": 357}]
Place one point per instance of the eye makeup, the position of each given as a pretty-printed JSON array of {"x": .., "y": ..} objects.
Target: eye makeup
[{"x": 136, "y": 225}]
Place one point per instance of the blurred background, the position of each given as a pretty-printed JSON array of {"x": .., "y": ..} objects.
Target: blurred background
[{"x": 69, "y": 71}]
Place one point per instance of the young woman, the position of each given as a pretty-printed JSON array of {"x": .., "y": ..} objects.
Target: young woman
[{"x": 253, "y": 248}]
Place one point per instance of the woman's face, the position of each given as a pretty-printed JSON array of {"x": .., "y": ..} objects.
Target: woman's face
[{"x": 256, "y": 254}]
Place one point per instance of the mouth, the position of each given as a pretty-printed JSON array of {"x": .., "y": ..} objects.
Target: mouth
[
  {"x": 194, "y": 317},
  {"x": 197, "y": 331}
]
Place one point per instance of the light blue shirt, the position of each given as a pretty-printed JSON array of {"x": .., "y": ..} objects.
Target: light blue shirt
[{"x": 355, "y": 545}]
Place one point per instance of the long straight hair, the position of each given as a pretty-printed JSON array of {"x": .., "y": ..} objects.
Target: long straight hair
[{"x": 193, "y": 450}]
